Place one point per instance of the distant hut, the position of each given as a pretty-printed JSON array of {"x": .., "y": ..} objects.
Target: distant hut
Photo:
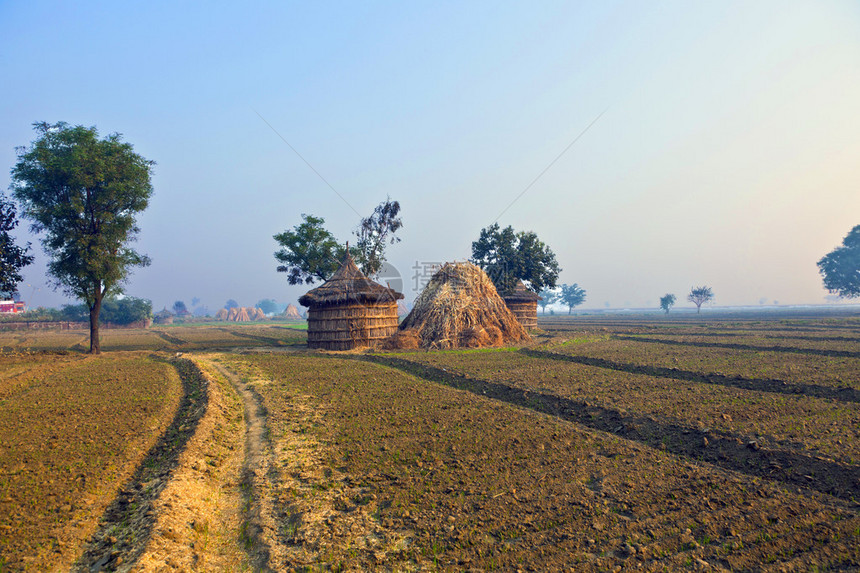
[
  {"x": 350, "y": 311},
  {"x": 523, "y": 303}
]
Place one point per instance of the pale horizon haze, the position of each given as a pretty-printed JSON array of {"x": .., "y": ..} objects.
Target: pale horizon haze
[{"x": 724, "y": 152}]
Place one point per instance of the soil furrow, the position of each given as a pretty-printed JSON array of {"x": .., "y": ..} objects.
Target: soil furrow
[
  {"x": 723, "y": 449},
  {"x": 169, "y": 338},
  {"x": 732, "y": 346},
  {"x": 844, "y": 394},
  {"x": 127, "y": 523}
]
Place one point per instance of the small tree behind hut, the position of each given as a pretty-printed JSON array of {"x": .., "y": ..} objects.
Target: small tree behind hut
[
  {"x": 374, "y": 234},
  {"x": 83, "y": 193},
  {"x": 308, "y": 253}
]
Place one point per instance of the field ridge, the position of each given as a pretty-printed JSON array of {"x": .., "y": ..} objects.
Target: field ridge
[{"x": 127, "y": 523}]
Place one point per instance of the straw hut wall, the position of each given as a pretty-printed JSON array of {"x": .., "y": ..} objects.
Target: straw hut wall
[
  {"x": 459, "y": 308},
  {"x": 523, "y": 304},
  {"x": 350, "y": 311}
]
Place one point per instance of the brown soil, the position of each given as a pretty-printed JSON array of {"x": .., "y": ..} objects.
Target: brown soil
[
  {"x": 72, "y": 431},
  {"x": 467, "y": 482}
]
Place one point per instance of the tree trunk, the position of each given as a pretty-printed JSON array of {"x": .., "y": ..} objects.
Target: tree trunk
[
  {"x": 95, "y": 309},
  {"x": 698, "y": 309}
]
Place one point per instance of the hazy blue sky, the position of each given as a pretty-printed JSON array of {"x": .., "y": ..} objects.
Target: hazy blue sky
[{"x": 727, "y": 154}]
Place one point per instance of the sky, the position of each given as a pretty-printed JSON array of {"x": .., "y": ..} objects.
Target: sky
[{"x": 707, "y": 143}]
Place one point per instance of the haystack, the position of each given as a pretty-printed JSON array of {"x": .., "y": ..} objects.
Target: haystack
[
  {"x": 523, "y": 303},
  {"x": 242, "y": 315},
  {"x": 292, "y": 313},
  {"x": 221, "y": 314},
  {"x": 350, "y": 311},
  {"x": 459, "y": 308},
  {"x": 258, "y": 314}
]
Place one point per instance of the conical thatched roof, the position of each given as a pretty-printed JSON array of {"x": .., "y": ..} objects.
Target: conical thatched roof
[
  {"x": 348, "y": 285},
  {"x": 521, "y": 294},
  {"x": 459, "y": 307}
]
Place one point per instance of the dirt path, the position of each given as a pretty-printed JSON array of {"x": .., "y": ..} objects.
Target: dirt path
[
  {"x": 299, "y": 511},
  {"x": 257, "y": 525},
  {"x": 199, "y": 513}
]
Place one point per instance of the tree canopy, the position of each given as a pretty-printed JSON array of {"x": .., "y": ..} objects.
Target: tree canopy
[
  {"x": 374, "y": 234},
  {"x": 548, "y": 296},
  {"x": 509, "y": 257},
  {"x": 667, "y": 301},
  {"x": 12, "y": 257},
  {"x": 309, "y": 252},
  {"x": 840, "y": 268},
  {"x": 572, "y": 295},
  {"x": 82, "y": 195},
  {"x": 268, "y": 305},
  {"x": 699, "y": 296}
]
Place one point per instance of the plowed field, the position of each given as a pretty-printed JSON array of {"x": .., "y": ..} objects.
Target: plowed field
[{"x": 604, "y": 444}]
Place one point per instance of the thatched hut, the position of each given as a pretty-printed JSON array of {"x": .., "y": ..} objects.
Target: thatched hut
[
  {"x": 350, "y": 311},
  {"x": 523, "y": 303},
  {"x": 459, "y": 308}
]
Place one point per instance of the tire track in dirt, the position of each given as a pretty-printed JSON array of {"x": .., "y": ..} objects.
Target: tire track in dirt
[
  {"x": 726, "y": 450},
  {"x": 126, "y": 525},
  {"x": 844, "y": 394},
  {"x": 255, "y": 474},
  {"x": 733, "y": 346},
  {"x": 173, "y": 340}
]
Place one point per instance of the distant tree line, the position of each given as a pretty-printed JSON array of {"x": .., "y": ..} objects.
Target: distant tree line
[{"x": 121, "y": 311}]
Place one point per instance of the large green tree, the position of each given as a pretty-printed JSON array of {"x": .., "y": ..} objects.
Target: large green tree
[
  {"x": 309, "y": 252},
  {"x": 83, "y": 194},
  {"x": 840, "y": 268},
  {"x": 12, "y": 257},
  {"x": 509, "y": 257}
]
